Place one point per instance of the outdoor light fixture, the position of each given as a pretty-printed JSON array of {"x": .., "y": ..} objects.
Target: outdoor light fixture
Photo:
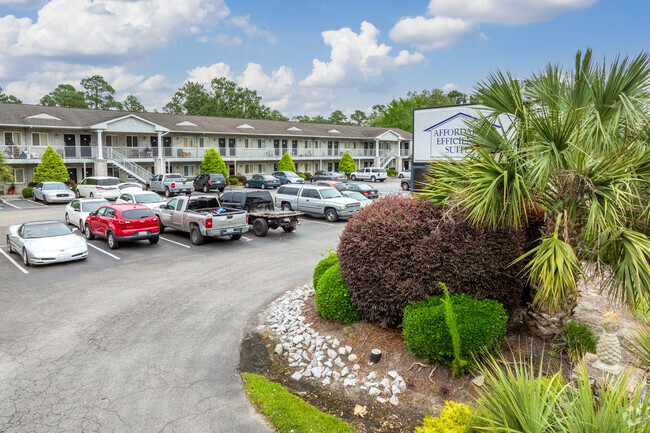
[{"x": 375, "y": 355}]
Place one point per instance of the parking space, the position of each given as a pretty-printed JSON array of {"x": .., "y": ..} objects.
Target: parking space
[{"x": 18, "y": 204}]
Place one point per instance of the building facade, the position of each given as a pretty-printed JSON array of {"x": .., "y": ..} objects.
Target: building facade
[{"x": 138, "y": 145}]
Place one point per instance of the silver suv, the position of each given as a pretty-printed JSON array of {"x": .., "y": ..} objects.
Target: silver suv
[
  {"x": 372, "y": 174},
  {"x": 316, "y": 200}
]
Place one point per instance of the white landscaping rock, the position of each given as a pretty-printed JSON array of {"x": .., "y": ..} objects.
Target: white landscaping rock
[
  {"x": 336, "y": 343},
  {"x": 385, "y": 383},
  {"x": 393, "y": 374},
  {"x": 279, "y": 349},
  {"x": 342, "y": 350},
  {"x": 381, "y": 400},
  {"x": 352, "y": 357},
  {"x": 394, "y": 400},
  {"x": 345, "y": 371},
  {"x": 348, "y": 349},
  {"x": 372, "y": 375},
  {"x": 374, "y": 391},
  {"x": 331, "y": 353},
  {"x": 356, "y": 367},
  {"x": 326, "y": 381},
  {"x": 296, "y": 376}
]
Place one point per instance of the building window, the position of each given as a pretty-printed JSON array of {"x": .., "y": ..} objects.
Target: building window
[
  {"x": 247, "y": 143},
  {"x": 189, "y": 141},
  {"x": 202, "y": 141},
  {"x": 260, "y": 168},
  {"x": 39, "y": 139},
  {"x": 316, "y": 144},
  {"x": 131, "y": 141},
  {"x": 188, "y": 170},
  {"x": 222, "y": 146},
  {"x": 13, "y": 138},
  {"x": 111, "y": 140},
  {"x": 19, "y": 175},
  {"x": 261, "y": 143}
]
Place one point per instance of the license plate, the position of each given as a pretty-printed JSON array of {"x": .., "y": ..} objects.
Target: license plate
[
  {"x": 286, "y": 220},
  {"x": 143, "y": 233},
  {"x": 228, "y": 231},
  {"x": 63, "y": 256}
]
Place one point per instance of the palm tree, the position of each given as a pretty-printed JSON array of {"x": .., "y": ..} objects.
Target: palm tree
[{"x": 577, "y": 150}]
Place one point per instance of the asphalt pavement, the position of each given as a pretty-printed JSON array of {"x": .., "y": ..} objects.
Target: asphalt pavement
[{"x": 144, "y": 338}]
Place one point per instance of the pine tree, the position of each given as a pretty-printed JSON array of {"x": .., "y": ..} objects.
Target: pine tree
[
  {"x": 51, "y": 168},
  {"x": 347, "y": 164},
  {"x": 213, "y": 163},
  {"x": 286, "y": 163}
]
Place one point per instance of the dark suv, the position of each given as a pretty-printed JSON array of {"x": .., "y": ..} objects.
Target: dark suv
[{"x": 207, "y": 182}]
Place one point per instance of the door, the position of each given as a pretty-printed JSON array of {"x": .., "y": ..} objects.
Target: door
[
  {"x": 69, "y": 141},
  {"x": 329, "y": 166},
  {"x": 84, "y": 143},
  {"x": 97, "y": 223},
  {"x": 366, "y": 148},
  {"x": 336, "y": 148},
  {"x": 72, "y": 172},
  {"x": 294, "y": 148},
  {"x": 284, "y": 146},
  {"x": 108, "y": 219},
  {"x": 37, "y": 192},
  {"x": 167, "y": 146},
  {"x": 89, "y": 172},
  {"x": 329, "y": 148},
  {"x": 231, "y": 146},
  {"x": 276, "y": 147},
  {"x": 154, "y": 145},
  {"x": 75, "y": 208},
  {"x": 222, "y": 146},
  {"x": 177, "y": 216},
  {"x": 166, "y": 214}
]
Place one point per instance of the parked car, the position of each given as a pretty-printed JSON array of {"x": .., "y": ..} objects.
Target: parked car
[
  {"x": 287, "y": 177},
  {"x": 262, "y": 181},
  {"x": 99, "y": 187},
  {"x": 363, "y": 200},
  {"x": 317, "y": 201},
  {"x": 78, "y": 210},
  {"x": 52, "y": 192},
  {"x": 130, "y": 187},
  {"x": 340, "y": 186},
  {"x": 364, "y": 189},
  {"x": 405, "y": 184},
  {"x": 404, "y": 174},
  {"x": 261, "y": 211},
  {"x": 149, "y": 199},
  {"x": 170, "y": 184},
  {"x": 329, "y": 175},
  {"x": 202, "y": 216},
  {"x": 372, "y": 174},
  {"x": 45, "y": 242},
  {"x": 122, "y": 223},
  {"x": 207, "y": 182}
]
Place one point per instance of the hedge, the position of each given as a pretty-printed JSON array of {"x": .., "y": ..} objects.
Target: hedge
[{"x": 332, "y": 298}]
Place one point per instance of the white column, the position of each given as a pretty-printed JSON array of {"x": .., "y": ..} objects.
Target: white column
[
  {"x": 160, "y": 152},
  {"x": 100, "y": 152},
  {"x": 377, "y": 147}
]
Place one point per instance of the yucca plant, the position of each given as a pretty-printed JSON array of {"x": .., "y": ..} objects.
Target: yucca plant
[
  {"x": 638, "y": 344},
  {"x": 576, "y": 148}
]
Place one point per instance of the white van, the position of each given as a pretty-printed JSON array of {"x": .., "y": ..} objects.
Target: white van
[
  {"x": 99, "y": 187},
  {"x": 372, "y": 174}
]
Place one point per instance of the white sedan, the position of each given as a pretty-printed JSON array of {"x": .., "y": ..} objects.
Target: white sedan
[
  {"x": 78, "y": 210},
  {"x": 405, "y": 174},
  {"x": 130, "y": 187},
  {"x": 146, "y": 198},
  {"x": 45, "y": 242},
  {"x": 365, "y": 201}
]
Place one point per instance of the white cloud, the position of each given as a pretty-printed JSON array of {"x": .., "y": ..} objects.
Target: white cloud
[
  {"x": 511, "y": 12},
  {"x": 221, "y": 39},
  {"x": 251, "y": 30},
  {"x": 355, "y": 57},
  {"x": 448, "y": 87},
  {"x": 432, "y": 33},
  {"x": 22, "y": 4},
  {"x": 205, "y": 74},
  {"x": 276, "y": 89}
]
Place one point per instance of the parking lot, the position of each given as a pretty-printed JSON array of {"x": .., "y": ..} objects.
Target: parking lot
[{"x": 143, "y": 338}]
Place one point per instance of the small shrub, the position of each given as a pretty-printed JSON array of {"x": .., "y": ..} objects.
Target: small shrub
[
  {"x": 454, "y": 418},
  {"x": 323, "y": 266},
  {"x": 240, "y": 177},
  {"x": 319, "y": 172},
  {"x": 233, "y": 181},
  {"x": 308, "y": 175},
  {"x": 74, "y": 187},
  {"x": 481, "y": 328},
  {"x": 286, "y": 163},
  {"x": 302, "y": 176},
  {"x": 332, "y": 298},
  {"x": 27, "y": 192},
  {"x": 391, "y": 172},
  {"x": 578, "y": 339}
]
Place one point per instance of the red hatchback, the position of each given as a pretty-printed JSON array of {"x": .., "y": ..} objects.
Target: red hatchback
[{"x": 122, "y": 223}]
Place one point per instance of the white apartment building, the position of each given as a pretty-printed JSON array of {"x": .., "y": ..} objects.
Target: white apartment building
[{"x": 139, "y": 145}]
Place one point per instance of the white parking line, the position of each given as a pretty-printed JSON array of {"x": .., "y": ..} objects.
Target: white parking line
[
  {"x": 35, "y": 202},
  {"x": 316, "y": 222},
  {"x": 7, "y": 203},
  {"x": 174, "y": 242},
  {"x": 102, "y": 251},
  {"x": 246, "y": 239},
  {"x": 14, "y": 262}
]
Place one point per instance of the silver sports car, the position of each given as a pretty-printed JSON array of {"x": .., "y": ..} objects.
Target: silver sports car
[{"x": 43, "y": 242}]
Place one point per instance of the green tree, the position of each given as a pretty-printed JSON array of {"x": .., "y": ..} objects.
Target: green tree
[
  {"x": 319, "y": 119},
  {"x": 359, "y": 118},
  {"x": 51, "y": 168},
  {"x": 457, "y": 97},
  {"x": 338, "y": 118},
  {"x": 131, "y": 103},
  {"x": 8, "y": 99},
  {"x": 6, "y": 173},
  {"x": 577, "y": 153},
  {"x": 65, "y": 95},
  {"x": 213, "y": 163},
  {"x": 276, "y": 115},
  {"x": 347, "y": 164},
  {"x": 286, "y": 163},
  {"x": 399, "y": 112},
  {"x": 99, "y": 94},
  {"x": 301, "y": 118}
]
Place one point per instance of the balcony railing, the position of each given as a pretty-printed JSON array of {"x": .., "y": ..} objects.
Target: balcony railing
[
  {"x": 13, "y": 152},
  {"x": 404, "y": 153}
]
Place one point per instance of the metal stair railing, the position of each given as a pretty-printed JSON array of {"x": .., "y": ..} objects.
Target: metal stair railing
[
  {"x": 385, "y": 160},
  {"x": 116, "y": 158}
]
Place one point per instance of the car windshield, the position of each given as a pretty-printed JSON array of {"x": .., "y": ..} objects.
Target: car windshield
[
  {"x": 270, "y": 178},
  {"x": 338, "y": 174},
  {"x": 330, "y": 193},
  {"x": 364, "y": 186},
  {"x": 340, "y": 186},
  {"x": 107, "y": 182},
  {"x": 54, "y": 186},
  {"x": 137, "y": 214},
  {"x": 357, "y": 196},
  {"x": 93, "y": 205},
  {"x": 150, "y": 197},
  {"x": 47, "y": 230},
  {"x": 291, "y": 174},
  {"x": 129, "y": 185}
]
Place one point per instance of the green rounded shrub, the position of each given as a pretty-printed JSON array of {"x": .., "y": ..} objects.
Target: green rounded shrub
[
  {"x": 391, "y": 172},
  {"x": 481, "y": 326},
  {"x": 333, "y": 298},
  {"x": 454, "y": 418},
  {"x": 27, "y": 192},
  {"x": 233, "y": 181},
  {"x": 302, "y": 176},
  {"x": 324, "y": 265}
]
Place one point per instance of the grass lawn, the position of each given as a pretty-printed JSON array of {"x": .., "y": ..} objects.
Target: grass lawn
[{"x": 287, "y": 412}]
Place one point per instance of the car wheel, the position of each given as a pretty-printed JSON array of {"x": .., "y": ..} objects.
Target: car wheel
[
  {"x": 206, "y": 189},
  {"x": 113, "y": 243},
  {"x": 373, "y": 179},
  {"x": 25, "y": 258},
  {"x": 195, "y": 236},
  {"x": 34, "y": 197},
  {"x": 263, "y": 186},
  {"x": 353, "y": 177},
  {"x": 9, "y": 245},
  {"x": 89, "y": 234},
  {"x": 405, "y": 186},
  {"x": 401, "y": 176},
  {"x": 288, "y": 182},
  {"x": 168, "y": 193},
  {"x": 286, "y": 207},
  {"x": 161, "y": 227},
  {"x": 235, "y": 237},
  {"x": 81, "y": 225},
  {"x": 247, "y": 185},
  {"x": 67, "y": 219},
  {"x": 154, "y": 240},
  {"x": 146, "y": 187},
  {"x": 381, "y": 180},
  {"x": 260, "y": 227},
  {"x": 221, "y": 189},
  {"x": 289, "y": 228},
  {"x": 331, "y": 215},
  {"x": 92, "y": 195}
]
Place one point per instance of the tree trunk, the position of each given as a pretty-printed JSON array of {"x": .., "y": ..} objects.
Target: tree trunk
[{"x": 544, "y": 324}]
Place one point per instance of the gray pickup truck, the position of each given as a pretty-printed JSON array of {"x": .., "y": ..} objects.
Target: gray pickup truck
[
  {"x": 201, "y": 216},
  {"x": 316, "y": 200},
  {"x": 170, "y": 184}
]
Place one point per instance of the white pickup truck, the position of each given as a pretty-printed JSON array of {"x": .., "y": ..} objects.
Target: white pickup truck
[
  {"x": 170, "y": 184},
  {"x": 201, "y": 216}
]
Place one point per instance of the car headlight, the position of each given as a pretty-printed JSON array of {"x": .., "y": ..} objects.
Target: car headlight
[{"x": 341, "y": 207}]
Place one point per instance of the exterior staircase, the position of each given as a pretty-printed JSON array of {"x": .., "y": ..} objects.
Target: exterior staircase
[
  {"x": 117, "y": 159},
  {"x": 387, "y": 159}
]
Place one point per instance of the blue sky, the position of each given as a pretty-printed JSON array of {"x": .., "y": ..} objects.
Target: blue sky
[{"x": 303, "y": 57}]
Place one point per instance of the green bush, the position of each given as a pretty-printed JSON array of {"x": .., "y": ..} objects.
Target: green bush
[
  {"x": 27, "y": 192},
  {"x": 286, "y": 163},
  {"x": 332, "y": 298},
  {"x": 578, "y": 339},
  {"x": 213, "y": 163},
  {"x": 74, "y": 187},
  {"x": 240, "y": 177},
  {"x": 481, "y": 327},
  {"x": 454, "y": 418},
  {"x": 51, "y": 168},
  {"x": 233, "y": 181},
  {"x": 324, "y": 265},
  {"x": 308, "y": 175},
  {"x": 302, "y": 176},
  {"x": 391, "y": 172},
  {"x": 347, "y": 164}
]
